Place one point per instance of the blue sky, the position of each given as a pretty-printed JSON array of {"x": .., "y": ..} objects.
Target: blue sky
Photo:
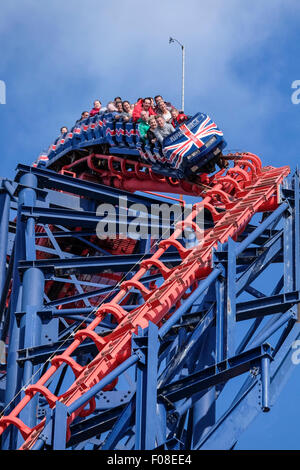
[{"x": 241, "y": 59}]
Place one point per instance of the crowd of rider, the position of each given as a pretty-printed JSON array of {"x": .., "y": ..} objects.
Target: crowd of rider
[{"x": 155, "y": 117}]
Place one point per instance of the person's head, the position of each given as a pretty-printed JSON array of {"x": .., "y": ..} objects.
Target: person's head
[
  {"x": 174, "y": 113},
  {"x": 160, "y": 121},
  {"x": 146, "y": 103},
  {"x": 97, "y": 104},
  {"x": 162, "y": 106},
  {"x": 126, "y": 106},
  {"x": 144, "y": 116},
  {"x": 119, "y": 106},
  {"x": 158, "y": 98},
  {"x": 63, "y": 130},
  {"x": 117, "y": 98},
  {"x": 84, "y": 114},
  {"x": 111, "y": 107},
  {"x": 152, "y": 122}
]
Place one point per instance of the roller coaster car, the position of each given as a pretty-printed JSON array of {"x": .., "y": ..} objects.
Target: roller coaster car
[{"x": 195, "y": 147}]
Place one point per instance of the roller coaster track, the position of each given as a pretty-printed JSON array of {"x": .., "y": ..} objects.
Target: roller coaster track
[
  {"x": 131, "y": 175},
  {"x": 232, "y": 199}
]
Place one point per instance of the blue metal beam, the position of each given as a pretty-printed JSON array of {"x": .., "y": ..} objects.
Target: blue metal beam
[
  {"x": 267, "y": 305},
  {"x": 260, "y": 264},
  {"x": 146, "y": 345},
  {"x": 215, "y": 375},
  {"x": 245, "y": 407},
  {"x": 90, "y": 219},
  {"x": 94, "y": 264},
  {"x": 52, "y": 180}
]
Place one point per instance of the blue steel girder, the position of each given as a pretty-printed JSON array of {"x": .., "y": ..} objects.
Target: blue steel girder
[
  {"x": 95, "y": 264},
  {"x": 216, "y": 374},
  {"x": 103, "y": 291},
  {"x": 97, "y": 192},
  {"x": 268, "y": 305},
  {"x": 246, "y": 405},
  {"x": 90, "y": 219}
]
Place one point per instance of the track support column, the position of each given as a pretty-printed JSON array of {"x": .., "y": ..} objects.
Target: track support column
[
  {"x": 146, "y": 345},
  {"x": 32, "y": 297},
  {"x": 226, "y": 300},
  {"x": 265, "y": 383},
  {"x": 60, "y": 426}
]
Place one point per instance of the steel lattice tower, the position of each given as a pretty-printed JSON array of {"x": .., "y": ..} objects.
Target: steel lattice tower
[{"x": 128, "y": 344}]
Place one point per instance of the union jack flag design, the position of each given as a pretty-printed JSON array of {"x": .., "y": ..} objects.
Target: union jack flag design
[{"x": 191, "y": 139}]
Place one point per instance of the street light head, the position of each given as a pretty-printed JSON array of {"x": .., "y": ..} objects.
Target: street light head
[{"x": 171, "y": 40}]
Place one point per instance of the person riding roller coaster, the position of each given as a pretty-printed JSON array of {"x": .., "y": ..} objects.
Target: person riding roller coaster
[
  {"x": 182, "y": 148},
  {"x": 194, "y": 146}
]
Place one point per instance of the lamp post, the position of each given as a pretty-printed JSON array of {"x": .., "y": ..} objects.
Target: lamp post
[{"x": 183, "y": 57}]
